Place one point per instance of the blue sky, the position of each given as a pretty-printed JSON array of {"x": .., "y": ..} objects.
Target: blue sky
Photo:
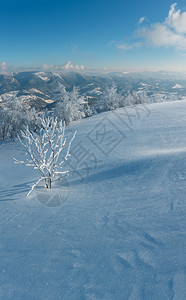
[{"x": 97, "y": 35}]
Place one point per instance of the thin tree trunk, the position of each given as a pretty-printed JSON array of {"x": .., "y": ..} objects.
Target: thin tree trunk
[{"x": 48, "y": 183}]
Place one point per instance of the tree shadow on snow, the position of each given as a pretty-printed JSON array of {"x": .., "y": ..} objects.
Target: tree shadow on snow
[
  {"x": 12, "y": 194},
  {"x": 135, "y": 168}
]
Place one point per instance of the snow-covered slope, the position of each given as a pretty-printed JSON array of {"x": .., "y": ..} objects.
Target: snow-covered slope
[{"x": 121, "y": 231}]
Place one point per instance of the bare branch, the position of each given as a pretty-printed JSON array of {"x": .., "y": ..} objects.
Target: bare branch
[{"x": 45, "y": 148}]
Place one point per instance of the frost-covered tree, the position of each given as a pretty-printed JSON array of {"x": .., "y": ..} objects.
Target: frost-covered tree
[
  {"x": 46, "y": 150},
  {"x": 69, "y": 105},
  {"x": 140, "y": 97},
  {"x": 32, "y": 119},
  {"x": 14, "y": 116},
  {"x": 110, "y": 99},
  {"x": 77, "y": 104},
  {"x": 133, "y": 98},
  {"x": 87, "y": 110},
  {"x": 127, "y": 100},
  {"x": 4, "y": 128}
]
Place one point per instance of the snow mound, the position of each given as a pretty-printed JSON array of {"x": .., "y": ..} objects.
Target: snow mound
[{"x": 177, "y": 86}]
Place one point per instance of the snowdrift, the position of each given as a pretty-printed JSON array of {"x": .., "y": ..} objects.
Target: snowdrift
[{"x": 120, "y": 230}]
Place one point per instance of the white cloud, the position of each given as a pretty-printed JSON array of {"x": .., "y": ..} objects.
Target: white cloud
[
  {"x": 68, "y": 66},
  {"x": 129, "y": 47},
  {"x": 170, "y": 33},
  {"x": 176, "y": 20},
  {"x": 161, "y": 35},
  {"x": 47, "y": 67},
  {"x": 141, "y": 20},
  {"x": 111, "y": 43},
  {"x": 3, "y": 66}
]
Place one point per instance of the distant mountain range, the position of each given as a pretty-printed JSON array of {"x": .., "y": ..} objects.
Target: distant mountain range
[{"x": 38, "y": 88}]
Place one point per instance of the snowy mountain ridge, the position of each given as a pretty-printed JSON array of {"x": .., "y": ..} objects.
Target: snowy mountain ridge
[{"x": 42, "y": 85}]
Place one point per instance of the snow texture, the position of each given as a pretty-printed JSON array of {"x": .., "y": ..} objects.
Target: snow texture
[
  {"x": 121, "y": 234},
  {"x": 69, "y": 106}
]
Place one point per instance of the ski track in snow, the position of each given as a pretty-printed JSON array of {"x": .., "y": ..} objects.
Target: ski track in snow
[{"x": 122, "y": 232}]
